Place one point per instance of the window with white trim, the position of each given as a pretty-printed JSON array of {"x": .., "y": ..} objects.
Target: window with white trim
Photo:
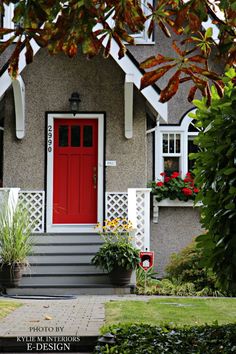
[{"x": 173, "y": 146}]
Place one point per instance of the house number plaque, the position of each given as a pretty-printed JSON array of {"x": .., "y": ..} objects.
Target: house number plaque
[{"x": 49, "y": 138}]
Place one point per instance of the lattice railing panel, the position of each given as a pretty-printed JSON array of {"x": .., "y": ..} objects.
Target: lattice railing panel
[
  {"x": 116, "y": 205},
  {"x": 140, "y": 219},
  {"x": 34, "y": 201}
]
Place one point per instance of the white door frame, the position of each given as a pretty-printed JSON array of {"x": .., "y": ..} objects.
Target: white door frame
[{"x": 73, "y": 228}]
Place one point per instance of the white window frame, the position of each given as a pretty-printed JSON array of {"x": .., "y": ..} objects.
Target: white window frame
[{"x": 182, "y": 129}]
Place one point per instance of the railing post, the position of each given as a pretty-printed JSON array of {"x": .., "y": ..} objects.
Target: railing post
[{"x": 139, "y": 215}]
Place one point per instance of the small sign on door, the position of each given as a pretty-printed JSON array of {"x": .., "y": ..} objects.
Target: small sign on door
[{"x": 146, "y": 260}]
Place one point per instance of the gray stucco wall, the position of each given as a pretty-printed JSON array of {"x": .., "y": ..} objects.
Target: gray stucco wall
[
  {"x": 49, "y": 82},
  {"x": 175, "y": 229}
]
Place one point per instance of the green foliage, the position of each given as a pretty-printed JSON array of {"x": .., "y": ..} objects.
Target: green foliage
[
  {"x": 146, "y": 339},
  {"x": 167, "y": 287},
  {"x": 186, "y": 276},
  {"x": 174, "y": 187},
  {"x": 117, "y": 250},
  {"x": 215, "y": 170},
  {"x": 186, "y": 267},
  {"x": 15, "y": 236}
]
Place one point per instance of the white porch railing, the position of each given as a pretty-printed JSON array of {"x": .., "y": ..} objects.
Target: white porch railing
[
  {"x": 34, "y": 201},
  {"x": 135, "y": 206}
]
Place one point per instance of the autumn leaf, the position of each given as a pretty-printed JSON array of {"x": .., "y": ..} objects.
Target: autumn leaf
[
  {"x": 177, "y": 49},
  {"x": 194, "y": 22},
  {"x": 171, "y": 88},
  {"x": 192, "y": 93},
  {"x": 155, "y": 60},
  {"x": 29, "y": 54},
  {"x": 197, "y": 59},
  {"x": 151, "y": 77}
]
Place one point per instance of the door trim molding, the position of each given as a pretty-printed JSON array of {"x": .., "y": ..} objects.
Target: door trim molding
[{"x": 73, "y": 228}]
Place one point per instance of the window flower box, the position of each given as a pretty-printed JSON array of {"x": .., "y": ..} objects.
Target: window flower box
[{"x": 176, "y": 203}]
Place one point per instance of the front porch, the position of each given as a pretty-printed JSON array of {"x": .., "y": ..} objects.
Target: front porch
[{"x": 61, "y": 262}]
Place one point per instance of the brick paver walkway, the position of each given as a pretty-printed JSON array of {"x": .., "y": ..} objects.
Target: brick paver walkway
[{"x": 82, "y": 316}]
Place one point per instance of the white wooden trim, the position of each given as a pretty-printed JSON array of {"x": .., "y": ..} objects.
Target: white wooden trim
[
  {"x": 128, "y": 105},
  {"x": 50, "y": 227},
  {"x": 19, "y": 100},
  {"x": 5, "y": 79}
]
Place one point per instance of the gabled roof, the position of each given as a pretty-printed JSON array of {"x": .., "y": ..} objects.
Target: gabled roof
[{"x": 128, "y": 64}]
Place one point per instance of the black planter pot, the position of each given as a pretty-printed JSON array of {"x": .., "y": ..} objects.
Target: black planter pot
[
  {"x": 10, "y": 275},
  {"x": 120, "y": 276}
]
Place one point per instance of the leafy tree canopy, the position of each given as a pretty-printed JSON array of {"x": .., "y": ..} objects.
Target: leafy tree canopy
[{"x": 87, "y": 26}]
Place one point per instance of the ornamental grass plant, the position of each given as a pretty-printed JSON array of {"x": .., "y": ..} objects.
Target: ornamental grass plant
[
  {"x": 173, "y": 186},
  {"x": 15, "y": 236}
]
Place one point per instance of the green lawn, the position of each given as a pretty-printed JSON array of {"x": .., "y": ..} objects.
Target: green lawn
[
  {"x": 179, "y": 311},
  {"x": 6, "y": 306}
]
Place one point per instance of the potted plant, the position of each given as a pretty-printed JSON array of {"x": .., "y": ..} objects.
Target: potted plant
[
  {"x": 117, "y": 255},
  {"x": 15, "y": 244}
]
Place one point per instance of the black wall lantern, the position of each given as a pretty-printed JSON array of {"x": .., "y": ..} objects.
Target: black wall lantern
[{"x": 74, "y": 102}]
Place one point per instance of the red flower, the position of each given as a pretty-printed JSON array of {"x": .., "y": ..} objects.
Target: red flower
[
  {"x": 196, "y": 190},
  {"x": 187, "y": 180},
  {"x": 187, "y": 191},
  {"x": 166, "y": 179},
  {"x": 163, "y": 174},
  {"x": 175, "y": 174},
  {"x": 188, "y": 174},
  {"x": 160, "y": 184}
]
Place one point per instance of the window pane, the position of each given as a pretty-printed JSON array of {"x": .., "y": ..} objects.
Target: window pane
[
  {"x": 177, "y": 143},
  {"x": 88, "y": 136},
  {"x": 191, "y": 148},
  {"x": 165, "y": 143},
  {"x": 192, "y": 128},
  {"x": 172, "y": 143},
  {"x": 63, "y": 135},
  {"x": 75, "y": 135},
  {"x": 171, "y": 164}
]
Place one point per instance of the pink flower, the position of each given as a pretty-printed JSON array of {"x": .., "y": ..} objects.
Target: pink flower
[{"x": 160, "y": 184}]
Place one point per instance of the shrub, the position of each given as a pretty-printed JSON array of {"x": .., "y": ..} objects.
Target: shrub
[
  {"x": 186, "y": 267},
  {"x": 146, "y": 339}
]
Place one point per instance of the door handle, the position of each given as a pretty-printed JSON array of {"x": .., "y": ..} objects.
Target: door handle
[{"x": 95, "y": 177}]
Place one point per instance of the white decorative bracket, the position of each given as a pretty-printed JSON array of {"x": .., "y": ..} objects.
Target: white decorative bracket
[
  {"x": 129, "y": 92},
  {"x": 19, "y": 99}
]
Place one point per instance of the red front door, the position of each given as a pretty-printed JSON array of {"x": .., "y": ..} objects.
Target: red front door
[{"x": 75, "y": 171}]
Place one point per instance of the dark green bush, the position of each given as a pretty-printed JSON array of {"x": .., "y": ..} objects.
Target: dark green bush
[
  {"x": 146, "y": 339},
  {"x": 186, "y": 267}
]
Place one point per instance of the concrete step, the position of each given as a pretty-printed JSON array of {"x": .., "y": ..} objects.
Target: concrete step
[
  {"x": 61, "y": 258},
  {"x": 64, "y": 279},
  {"x": 66, "y": 248},
  {"x": 61, "y": 269},
  {"x": 66, "y": 238},
  {"x": 82, "y": 289}
]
